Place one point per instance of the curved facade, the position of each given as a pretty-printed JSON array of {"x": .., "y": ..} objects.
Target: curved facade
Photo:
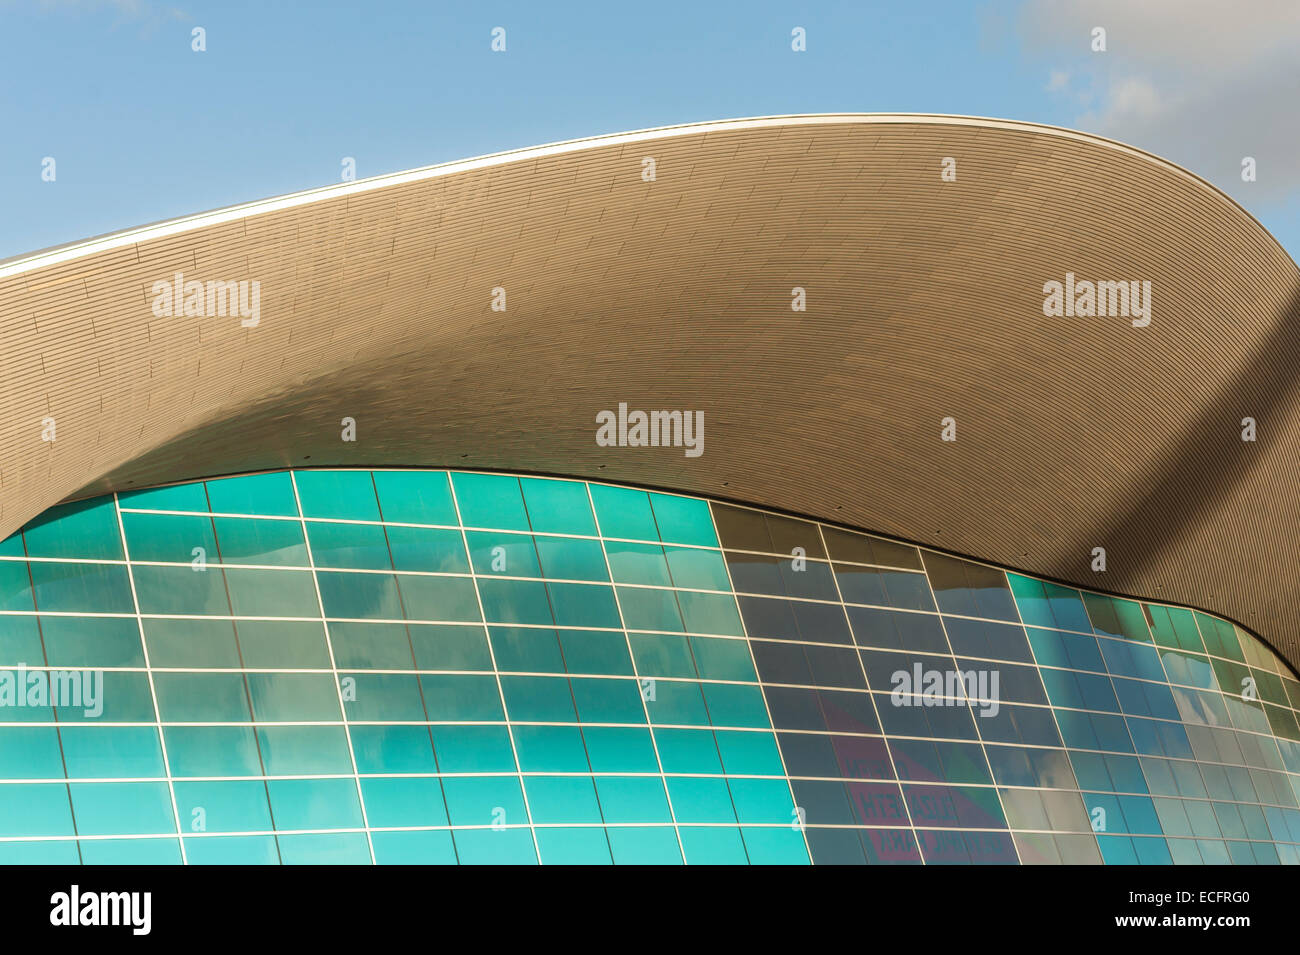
[
  {"x": 347, "y": 653},
  {"x": 432, "y": 667},
  {"x": 924, "y": 301}
]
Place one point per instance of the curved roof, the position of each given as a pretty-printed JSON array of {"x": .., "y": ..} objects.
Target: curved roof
[{"x": 924, "y": 301}]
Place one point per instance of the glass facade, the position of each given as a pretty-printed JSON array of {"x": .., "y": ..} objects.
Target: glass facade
[{"x": 412, "y": 666}]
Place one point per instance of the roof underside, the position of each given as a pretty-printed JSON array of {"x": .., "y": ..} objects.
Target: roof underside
[{"x": 924, "y": 301}]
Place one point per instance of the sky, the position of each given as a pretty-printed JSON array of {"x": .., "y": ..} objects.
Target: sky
[{"x": 141, "y": 127}]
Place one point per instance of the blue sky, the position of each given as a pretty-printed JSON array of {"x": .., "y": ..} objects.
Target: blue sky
[{"x": 142, "y": 128}]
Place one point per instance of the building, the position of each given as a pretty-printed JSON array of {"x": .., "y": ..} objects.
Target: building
[{"x": 331, "y": 534}]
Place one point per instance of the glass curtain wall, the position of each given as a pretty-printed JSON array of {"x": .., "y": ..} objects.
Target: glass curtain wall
[{"x": 419, "y": 666}]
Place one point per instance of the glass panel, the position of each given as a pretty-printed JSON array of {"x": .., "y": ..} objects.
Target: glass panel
[
  {"x": 490, "y": 500},
  {"x": 269, "y": 494},
  {"x": 415, "y": 497},
  {"x": 624, "y": 513},
  {"x": 558, "y": 507},
  {"x": 606, "y": 663},
  {"x": 339, "y": 494},
  {"x": 85, "y": 530}
]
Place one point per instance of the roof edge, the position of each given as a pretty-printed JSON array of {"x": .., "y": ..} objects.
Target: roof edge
[{"x": 53, "y": 255}]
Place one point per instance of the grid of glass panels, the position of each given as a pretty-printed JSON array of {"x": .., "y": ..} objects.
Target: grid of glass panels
[{"x": 412, "y": 666}]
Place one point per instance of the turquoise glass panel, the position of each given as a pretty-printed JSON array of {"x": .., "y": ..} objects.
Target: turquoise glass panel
[
  {"x": 683, "y": 520},
  {"x": 490, "y": 500},
  {"x": 178, "y": 497},
  {"x": 503, "y": 555},
  {"x": 353, "y": 546},
  {"x": 427, "y": 550},
  {"x": 569, "y": 558},
  {"x": 419, "y": 847},
  {"x": 348, "y": 495},
  {"x": 83, "y": 530},
  {"x": 624, "y": 513},
  {"x": 582, "y": 846},
  {"x": 558, "y": 507},
  {"x": 429, "y": 667},
  {"x": 80, "y": 588},
  {"x": 248, "y": 541},
  {"x": 91, "y": 641},
  {"x": 170, "y": 537},
  {"x": 632, "y": 563},
  {"x": 415, "y": 497},
  {"x": 268, "y": 494},
  {"x": 181, "y": 590},
  {"x": 232, "y": 850}
]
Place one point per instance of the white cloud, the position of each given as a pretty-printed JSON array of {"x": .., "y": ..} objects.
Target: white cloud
[
  {"x": 1133, "y": 100},
  {"x": 1201, "y": 82}
]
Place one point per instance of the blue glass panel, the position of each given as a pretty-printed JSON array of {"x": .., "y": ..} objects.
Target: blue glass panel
[
  {"x": 268, "y": 494},
  {"x": 415, "y": 497},
  {"x": 641, "y": 690}
]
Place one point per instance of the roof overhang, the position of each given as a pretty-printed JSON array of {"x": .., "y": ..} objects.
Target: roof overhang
[{"x": 924, "y": 301}]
